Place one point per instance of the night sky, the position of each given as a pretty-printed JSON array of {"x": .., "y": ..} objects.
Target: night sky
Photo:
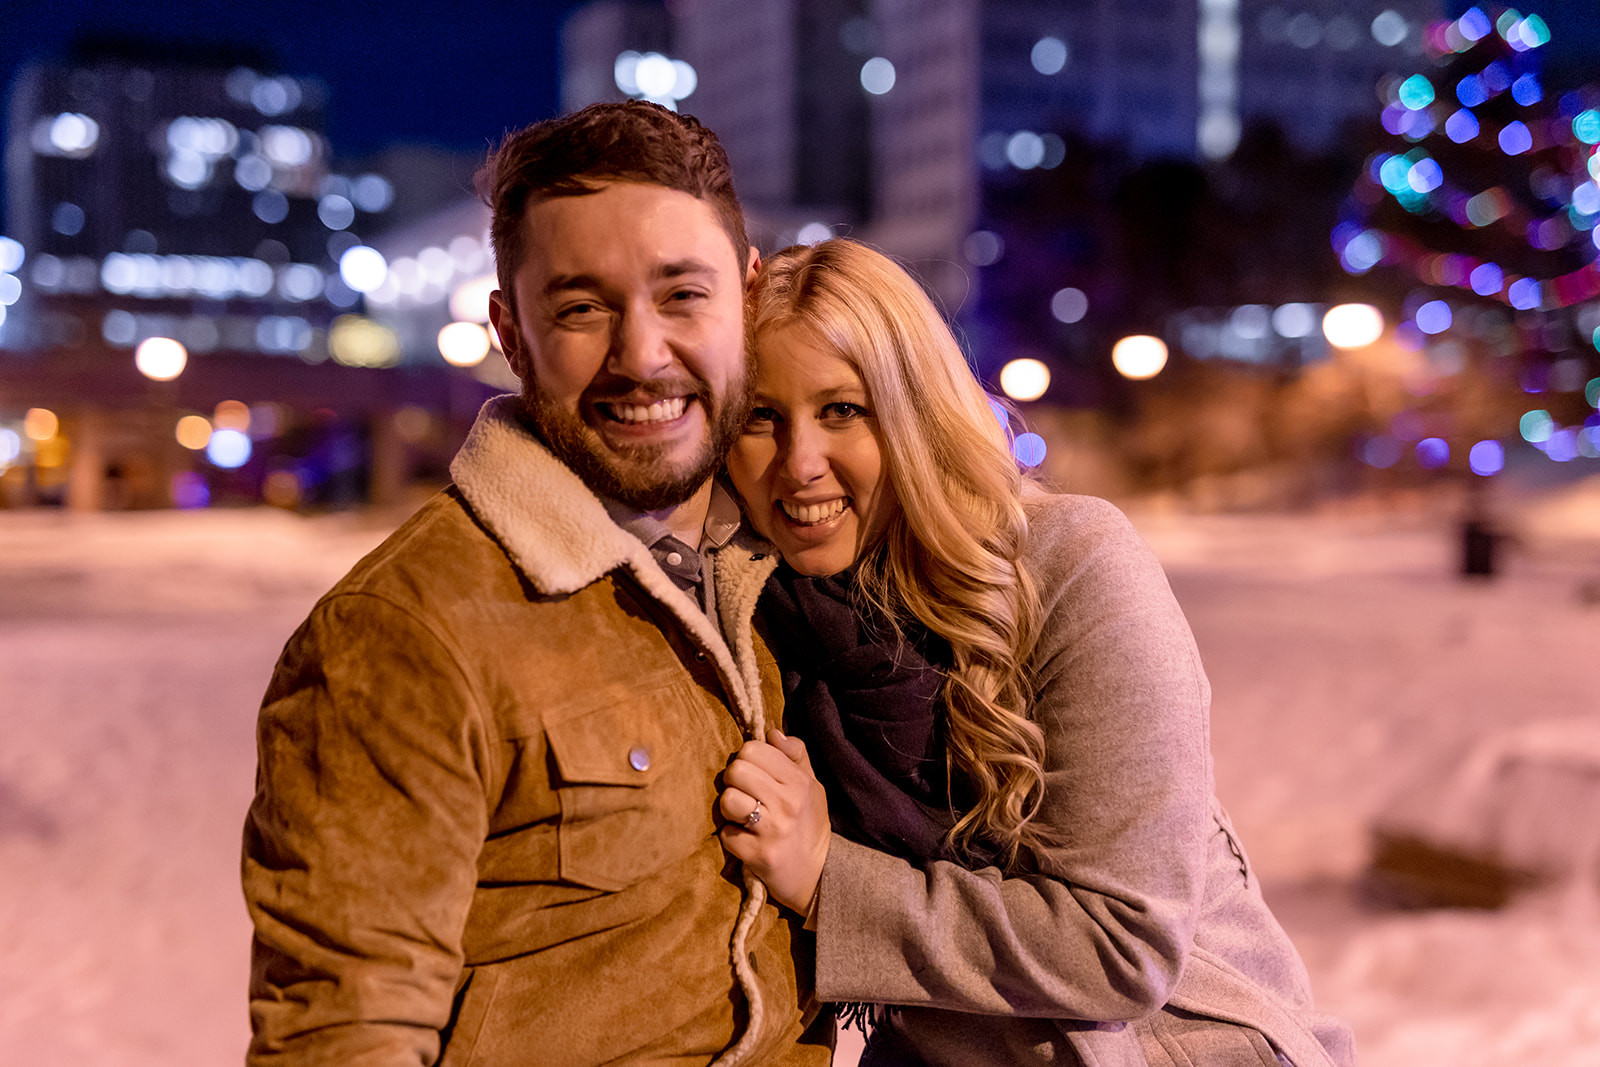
[{"x": 449, "y": 73}]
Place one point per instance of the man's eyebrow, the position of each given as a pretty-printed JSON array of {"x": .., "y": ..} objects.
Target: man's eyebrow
[{"x": 677, "y": 268}]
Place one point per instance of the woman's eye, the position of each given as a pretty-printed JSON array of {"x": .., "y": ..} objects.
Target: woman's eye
[
  {"x": 760, "y": 420},
  {"x": 843, "y": 410}
]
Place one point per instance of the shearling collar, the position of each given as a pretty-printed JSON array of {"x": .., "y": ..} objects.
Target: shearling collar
[{"x": 559, "y": 534}]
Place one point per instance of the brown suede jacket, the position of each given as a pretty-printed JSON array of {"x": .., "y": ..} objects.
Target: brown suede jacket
[{"x": 483, "y": 827}]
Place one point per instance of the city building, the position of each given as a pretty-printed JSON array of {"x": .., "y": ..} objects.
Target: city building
[{"x": 186, "y": 204}]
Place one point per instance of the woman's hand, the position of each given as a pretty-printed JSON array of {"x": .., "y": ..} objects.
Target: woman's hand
[{"x": 787, "y": 843}]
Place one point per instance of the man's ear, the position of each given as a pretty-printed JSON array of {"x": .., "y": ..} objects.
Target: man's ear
[
  {"x": 752, "y": 266},
  {"x": 504, "y": 323}
]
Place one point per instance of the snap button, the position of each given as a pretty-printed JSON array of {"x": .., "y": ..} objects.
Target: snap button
[
  {"x": 639, "y": 758},
  {"x": 674, "y": 558}
]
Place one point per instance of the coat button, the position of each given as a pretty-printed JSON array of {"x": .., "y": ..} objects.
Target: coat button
[{"x": 639, "y": 758}]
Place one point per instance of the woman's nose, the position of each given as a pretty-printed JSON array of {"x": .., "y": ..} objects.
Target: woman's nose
[{"x": 805, "y": 457}]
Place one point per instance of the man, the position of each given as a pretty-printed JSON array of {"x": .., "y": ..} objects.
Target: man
[{"x": 483, "y": 829}]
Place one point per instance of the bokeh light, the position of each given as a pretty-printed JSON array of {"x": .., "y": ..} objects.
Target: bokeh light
[
  {"x": 11, "y": 254},
  {"x": 1049, "y": 55},
  {"x": 363, "y": 269},
  {"x": 1381, "y": 451},
  {"x": 877, "y": 75},
  {"x": 1416, "y": 92},
  {"x": 1352, "y": 325},
  {"x": 1433, "y": 452},
  {"x": 160, "y": 359},
  {"x": 1434, "y": 317},
  {"x": 193, "y": 432},
  {"x": 1536, "y": 426},
  {"x": 1515, "y": 138},
  {"x": 469, "y": 301},
  {"x": 1069, "y": 305},
  {"x": 1486, "y": 458},
  {"x": 228, "y": 448},
  {"x": 1024, "y": 379},
  {"x": 10, "y": 447},
  {"x": 357, "y": 341},
  {"x": 463, "y": 344},
  {"x": 1029, "y": 448},
  {"x": 1294, "y": 320},
  {"x": 1139, "y": 357},
  {"x": 40, "y": 424},
  {"x": 231, "y": 415}
]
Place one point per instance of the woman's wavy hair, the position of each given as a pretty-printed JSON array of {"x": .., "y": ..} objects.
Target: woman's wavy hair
[{"x": 950, "y": 555}]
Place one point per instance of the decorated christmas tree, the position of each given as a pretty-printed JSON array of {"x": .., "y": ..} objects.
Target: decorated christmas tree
[{"x": 1475, "y": 222}]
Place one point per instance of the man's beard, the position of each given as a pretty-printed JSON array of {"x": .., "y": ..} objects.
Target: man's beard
[{"x": 640, "y": 476}]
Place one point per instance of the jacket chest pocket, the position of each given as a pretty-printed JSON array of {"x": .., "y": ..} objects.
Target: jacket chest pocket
[{"x": 636, "y": 788}]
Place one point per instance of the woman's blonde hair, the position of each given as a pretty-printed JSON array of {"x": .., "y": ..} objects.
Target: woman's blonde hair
[{"x": 950, "y": 554}]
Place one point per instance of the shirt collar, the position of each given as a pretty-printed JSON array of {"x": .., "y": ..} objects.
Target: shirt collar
[{"x": 722, "y": 520}]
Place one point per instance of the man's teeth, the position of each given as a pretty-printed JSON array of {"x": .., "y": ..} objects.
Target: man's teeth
[
  {"x": 660, "y": 411},
  {"x": 810, "y": 514}
]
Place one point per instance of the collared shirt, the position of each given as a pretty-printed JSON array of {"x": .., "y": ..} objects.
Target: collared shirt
[{"x": 688, "y": 570}]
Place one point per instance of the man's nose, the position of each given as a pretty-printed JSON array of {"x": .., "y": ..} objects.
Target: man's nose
[
  {"x": 805, "y": 453},
  {"x": 639, "y": 348}
]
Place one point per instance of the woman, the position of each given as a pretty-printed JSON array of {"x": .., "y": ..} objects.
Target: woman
[{"x": 1007, "y": 708}]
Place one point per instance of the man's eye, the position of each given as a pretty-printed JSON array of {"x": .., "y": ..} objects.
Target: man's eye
[
  {"x": 681, "y": 296},
  {"x": 580, "y": 310}
]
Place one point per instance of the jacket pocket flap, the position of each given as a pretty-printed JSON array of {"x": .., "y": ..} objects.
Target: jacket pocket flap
[{"x": 608, "y": 746}]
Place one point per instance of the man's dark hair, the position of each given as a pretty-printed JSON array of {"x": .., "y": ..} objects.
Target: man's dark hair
[{"x": 577, "y": 154}]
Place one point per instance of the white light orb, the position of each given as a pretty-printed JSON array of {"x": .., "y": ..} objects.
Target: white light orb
[
  {"x": 469, "y": 301},
  {"x": 654, "y": 75},
  {"x": 1024, "y": 379},
  {"x": 11, "y": 254},
  {"x": 160, "y": 359},
  {"x": 1069, "y": 305},
  {"x": 1352, "y": 325},
  {"x": 877, "y": 75},
  {"x": 363, "y": 269},
  {"x": 463, "y": 344},
  {"x": 813, "y": 233},
  {"x": 1139, "y": 357},
  {"x": 228, "y": 449}
]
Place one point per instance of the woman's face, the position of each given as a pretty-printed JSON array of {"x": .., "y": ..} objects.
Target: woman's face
[{"x": 809, "y": 465}]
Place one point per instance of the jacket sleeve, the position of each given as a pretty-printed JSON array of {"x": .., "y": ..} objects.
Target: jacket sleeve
[
  {"x": 361, "y": 845},
  {"x": 1103, "y": 931}
]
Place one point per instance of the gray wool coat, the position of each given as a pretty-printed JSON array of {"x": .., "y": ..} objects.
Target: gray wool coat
[{"x": 1144, "y": 939}]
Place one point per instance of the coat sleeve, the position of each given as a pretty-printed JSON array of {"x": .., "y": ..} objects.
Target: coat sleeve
[
  {"x": 1103, "y": 931},
  {"x": 361, "y": 845}
]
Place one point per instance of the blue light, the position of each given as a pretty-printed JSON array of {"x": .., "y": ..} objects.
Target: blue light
[
  {"x": 1496, "y": 77},
  {"x": 1029, "y": 448},
  {"x": 1527, "y": 91},
  {"x": 1434, "y": 317},
  {"x": 1470, "y": 91},
  {"x": 1562, "y": 446},
  {"x": 1586, "y": 198},
  {"x": 1474, "y": 25},
  {"x": 228, "y": 449},
  {"x": 1486, "y": 458},
  {"x": 1461, "y": 127},
  {"x": 1362, "y": 253},
  {"x": 1586, "y": 126},
  {"x": 1515, "y": 139},
  {"x": 1487, "y": 279},
  {"x": 1394, "y": 174},
  {"x": 1525, "y": 294},
  {"x": 1433, "y": 452}
]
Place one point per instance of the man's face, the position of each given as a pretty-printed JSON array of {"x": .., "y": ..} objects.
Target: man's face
[{"x": 628, "y": 335}]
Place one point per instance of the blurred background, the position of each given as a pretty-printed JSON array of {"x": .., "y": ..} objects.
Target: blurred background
[{"x": 1309, "y": 287}]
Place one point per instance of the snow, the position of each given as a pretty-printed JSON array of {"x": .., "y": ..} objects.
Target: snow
[{"x": 1347, "y": 659}]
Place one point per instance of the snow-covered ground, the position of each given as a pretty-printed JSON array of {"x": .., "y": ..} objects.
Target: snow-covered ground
[{"x": 1345, "y": 655}]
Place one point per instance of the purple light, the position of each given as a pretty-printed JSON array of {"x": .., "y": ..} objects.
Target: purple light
[
  {"x": 1434, "y": 317},
  {"x": 1029, "y": 448},
  {"x": 1470, "y": 91},
  {"x": 1487, "y": 279},
  {"x": 189, "y": 490},
  {"x": 1461, "y": 127},
  {"x": 1563, "y": 445},
  {"x": 1486, "y": 458},
  {"x": 1433, "y": 452},
  {"x": 1525, "y": 294},
  {"x": 1515, "y": 139}
]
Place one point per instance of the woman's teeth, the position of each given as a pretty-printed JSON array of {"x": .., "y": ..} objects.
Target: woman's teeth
[
  {"x": 811, "y": 514},
  {"x": 660, "y": 411}
]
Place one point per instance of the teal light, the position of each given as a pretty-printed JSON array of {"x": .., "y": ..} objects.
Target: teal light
[
  {"x": 1416, "y": 92},
  {"x": 1536, "y": 426},
  {"x": 1535, "y": 33},
  {"x": 1586, "y": 126}
]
